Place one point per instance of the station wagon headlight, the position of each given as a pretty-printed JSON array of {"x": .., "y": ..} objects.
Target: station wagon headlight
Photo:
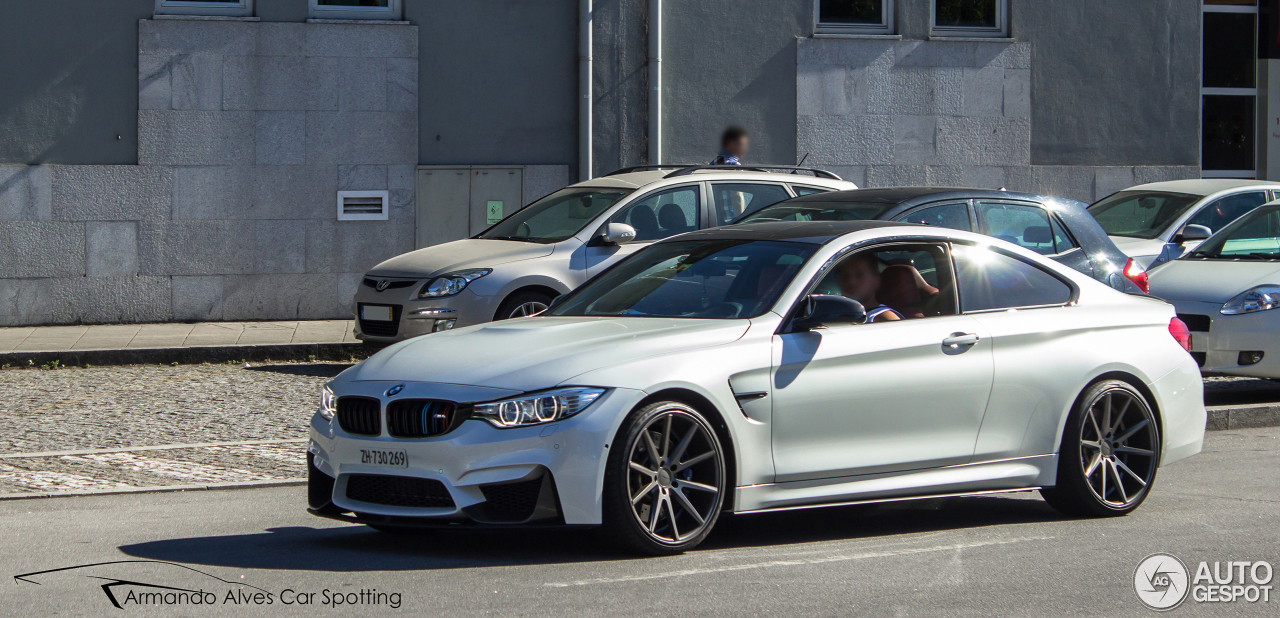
[
  {"x": 1261, "y": 298},
  {"x": 537, "y": 408},
  {"x": 328, "y": 403},
  {"x": 452, "y": 283}
]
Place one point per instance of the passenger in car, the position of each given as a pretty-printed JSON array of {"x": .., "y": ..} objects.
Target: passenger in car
[
  {"x": 859, "y": 279},
  {"x": 903, "y": 288}
]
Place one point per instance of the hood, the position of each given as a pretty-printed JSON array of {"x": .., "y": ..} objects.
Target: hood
[
  {"x": 1214, "y": 281},
  {"x": 457, "y": 255},
  {"x": 535, "y": 353},
  {"x": 1134, "y": 247}
]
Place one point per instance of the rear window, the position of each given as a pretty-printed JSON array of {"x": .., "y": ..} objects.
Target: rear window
[{"x": 818, "y": 211}]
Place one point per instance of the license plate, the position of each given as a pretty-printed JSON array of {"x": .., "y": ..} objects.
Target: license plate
[
  {"x": 391, "y": 459},
  {"x": 379, "y": 314}
]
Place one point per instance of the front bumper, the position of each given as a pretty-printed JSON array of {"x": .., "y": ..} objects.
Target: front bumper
[
  {"x": 414, "y": 316},
  {"x": 478, "y": 465},
  {"x": 1217, "y": 340}
]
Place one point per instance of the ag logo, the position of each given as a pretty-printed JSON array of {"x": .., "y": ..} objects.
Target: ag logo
[{"x": 1161, "y": 582}]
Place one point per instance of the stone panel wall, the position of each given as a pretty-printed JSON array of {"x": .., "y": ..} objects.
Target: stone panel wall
[
  {"x": 246, "y": 131},
  {"x": 884, "y": 112}
]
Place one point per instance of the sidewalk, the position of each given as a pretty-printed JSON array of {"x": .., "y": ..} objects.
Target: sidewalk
[{"x": 112, "y": 344}]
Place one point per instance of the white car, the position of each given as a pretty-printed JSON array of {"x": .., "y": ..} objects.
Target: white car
[
  {"x": 517, "y": 266},
  {"x": 1225, "y": 292},
  {"x": 718, "y": 371},
  {"x": 1157, "y": 222}
]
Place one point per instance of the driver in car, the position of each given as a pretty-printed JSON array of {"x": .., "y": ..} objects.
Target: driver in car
[{"x": 859, "y": 279}]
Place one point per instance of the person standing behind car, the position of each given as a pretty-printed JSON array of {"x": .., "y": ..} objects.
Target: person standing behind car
[{"x": 733, "y": 146}]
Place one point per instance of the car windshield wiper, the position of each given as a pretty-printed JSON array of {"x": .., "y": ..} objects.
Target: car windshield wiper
[
  {"x": 515, "y": 238},
  {"x": 1202, "y": 254},
  {"x": 1266, "y": 256}
]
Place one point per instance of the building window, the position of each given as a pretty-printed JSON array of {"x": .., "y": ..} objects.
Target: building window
[
  {"x": 970, "y": 18},
  {"x": 853, "y": 16},
  {"x": 386, "y": 10},
  {"x": 220, "y": 8},
  {"x": 1229, "y": 89}
]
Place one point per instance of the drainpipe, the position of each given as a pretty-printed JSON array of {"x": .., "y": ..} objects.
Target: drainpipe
[
  {"x": 655, "y": 82},
  {"x": 584, "y": 90}
]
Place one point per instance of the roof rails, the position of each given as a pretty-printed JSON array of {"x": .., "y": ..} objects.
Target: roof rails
[
  {"x": 646, "y": 168},
  {"x": 685, "y": 171}
]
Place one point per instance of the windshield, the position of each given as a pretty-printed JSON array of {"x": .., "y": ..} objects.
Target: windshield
[
  {"x": 1255, "y": 236},
  {"x": 556, "y": 217},
  {"x": 720, "y": 279},
  {"x": 1140, "y": 214},
  {"x": 818, "y": 211}
]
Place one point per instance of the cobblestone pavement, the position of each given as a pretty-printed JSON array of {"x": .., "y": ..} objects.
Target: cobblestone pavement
[
  {"x": 147, "y": 426},
  {"x": 94, "y": 429}
]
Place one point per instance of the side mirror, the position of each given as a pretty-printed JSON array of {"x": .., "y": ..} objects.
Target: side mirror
[
  {"x": 823, "y": 310},
  {"x": 1193, "y": 232},
  {"x": 617, "y": 233}
]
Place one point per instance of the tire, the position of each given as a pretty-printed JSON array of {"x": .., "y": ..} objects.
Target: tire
[
  {"x": 666, "y": 503},
  {"x": 1111, "y": 474},
  {"x": 522, "y": 304}
]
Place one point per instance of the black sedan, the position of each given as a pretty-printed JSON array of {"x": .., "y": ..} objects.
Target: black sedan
[{"x": 1056, "y": 228}]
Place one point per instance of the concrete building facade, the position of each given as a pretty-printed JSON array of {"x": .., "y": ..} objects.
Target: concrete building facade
[{"x": 194, "y": 166}]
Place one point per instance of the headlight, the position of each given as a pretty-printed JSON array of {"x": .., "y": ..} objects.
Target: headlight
[
  {"x": 328, "y": 403},
  {"x": 537, "y": 408},
  {"x": 452, "y": 283},
  {"x": 1261, "y": 298}
]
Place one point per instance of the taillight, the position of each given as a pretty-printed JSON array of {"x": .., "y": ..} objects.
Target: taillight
[
  {"x": 1181, "y": 333},
  {"x": 1138, "y": 275}
]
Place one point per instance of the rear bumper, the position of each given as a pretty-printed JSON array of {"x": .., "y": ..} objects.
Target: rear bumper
[{"x": 1180, "y": 397}]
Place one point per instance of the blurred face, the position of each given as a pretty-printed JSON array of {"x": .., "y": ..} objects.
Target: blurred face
[
  {"x": 859, "y": 279},
  {"x": 737, "y": 147}
]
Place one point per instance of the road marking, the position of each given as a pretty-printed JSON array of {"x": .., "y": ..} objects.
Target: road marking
[
  {"x": 161, "y": 447},
  {"x": 798, "y": 562}
]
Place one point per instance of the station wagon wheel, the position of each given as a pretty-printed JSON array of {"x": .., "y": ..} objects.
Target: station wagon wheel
[
  {"x": 669, "y": 480},
  {"x": 1111, "y": 465}
]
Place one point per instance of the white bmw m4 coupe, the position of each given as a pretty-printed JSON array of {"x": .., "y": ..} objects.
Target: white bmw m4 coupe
[{"x": 762, "y": 367}]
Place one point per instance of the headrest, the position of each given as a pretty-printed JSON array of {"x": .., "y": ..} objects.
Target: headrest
[{"x": 671, "y": 216}]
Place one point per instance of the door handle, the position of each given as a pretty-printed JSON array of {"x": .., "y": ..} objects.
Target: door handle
[{"x": 959, "y": 342}]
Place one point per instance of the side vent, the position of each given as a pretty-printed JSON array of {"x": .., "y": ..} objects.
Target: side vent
[{"x": 362, "y": 206}]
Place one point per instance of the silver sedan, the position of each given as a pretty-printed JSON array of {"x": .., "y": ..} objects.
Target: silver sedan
[
  {"x": 1225, "y": 292},
  {"x": 762, "y": 367}
]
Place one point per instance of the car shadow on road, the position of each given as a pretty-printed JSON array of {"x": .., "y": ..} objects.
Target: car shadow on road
[{"x": 358, "y": 548}]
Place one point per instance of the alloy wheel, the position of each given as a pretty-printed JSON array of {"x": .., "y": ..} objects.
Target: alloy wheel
[
  {"x": 531, "y": 308},
  {"x": 675, "y": 476},
  {"x": 1118, "y": 447}
]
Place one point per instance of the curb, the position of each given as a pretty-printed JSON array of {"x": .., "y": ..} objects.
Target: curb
[
  {"x": 191, "y": 355},
  {"x": 158, "y": 489},
  {"x": 1222, "y": 418}
]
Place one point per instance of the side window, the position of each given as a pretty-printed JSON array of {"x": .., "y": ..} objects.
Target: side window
[
  {"x": 802, "y": 191},
  {"x": 953, "y": 216},
  {"x": 1027, "y": 226},
  {"x": 1224, "y": 210},
  {"x": 1061, "y": 239},
  {"x": 735, "y": 200},
  {"x": 662, "y": 214},
  {"x": 913, "y": 280},
  {"x": 992, "y": 280}
]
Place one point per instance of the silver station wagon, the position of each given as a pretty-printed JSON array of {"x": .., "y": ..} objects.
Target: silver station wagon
[{"x": 518, "y": 266}]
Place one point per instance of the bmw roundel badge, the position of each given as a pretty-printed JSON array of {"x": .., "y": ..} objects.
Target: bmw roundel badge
[{"x": 395, "y": 390}]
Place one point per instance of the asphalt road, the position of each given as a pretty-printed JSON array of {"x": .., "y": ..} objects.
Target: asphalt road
[{"x": 985, "y": 556}]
